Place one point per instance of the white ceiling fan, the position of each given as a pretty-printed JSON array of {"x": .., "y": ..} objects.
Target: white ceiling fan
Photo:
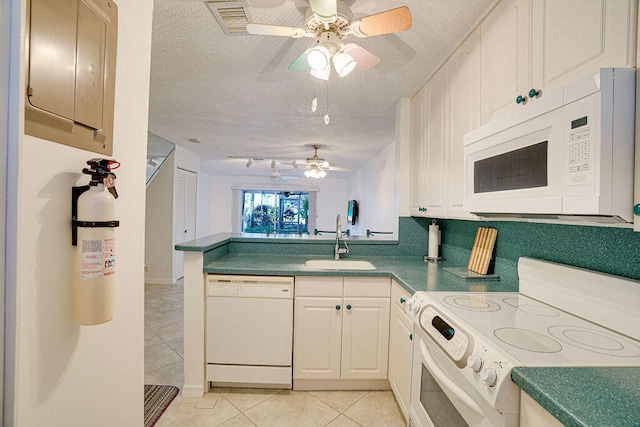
[
  {"x": 329, "y": 22},
  {"x": 316, "y": 167}
]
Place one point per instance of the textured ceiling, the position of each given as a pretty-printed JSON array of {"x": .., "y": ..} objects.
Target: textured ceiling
[{"x": 235, "y": 94}]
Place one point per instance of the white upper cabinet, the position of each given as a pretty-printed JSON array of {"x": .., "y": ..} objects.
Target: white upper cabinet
[
  {"x": 418, "y": 156},
  {"x": 464, "y": 116},
  {"x": 521, "y": 46},
  {"x": 541, "y": 45},
  {"x": 571, "y": 38},
  {"x": 505, "y": 46},
  {"x": 436, "y": 142}
]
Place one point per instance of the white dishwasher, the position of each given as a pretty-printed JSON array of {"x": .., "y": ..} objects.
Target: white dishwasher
[{"x": 249, "y": 330}]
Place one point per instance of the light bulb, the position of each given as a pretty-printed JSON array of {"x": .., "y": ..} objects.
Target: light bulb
[
  {"x": 327, "y": 119},
  {"x": 343, "y": 63},
  {"x": 322, "y": 174},
  {"x": 318, "y": 58},
  {"x": 314, "y": 104}
]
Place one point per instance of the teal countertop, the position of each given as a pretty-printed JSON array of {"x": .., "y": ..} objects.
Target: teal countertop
[
  {"x": 585, "y": 396},
  {"x": 207, "y": 243},
  {"x": 411, "y": 272}
]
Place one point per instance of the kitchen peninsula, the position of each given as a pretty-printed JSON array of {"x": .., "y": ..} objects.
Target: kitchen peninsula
[{"x": 271, "y": 255}]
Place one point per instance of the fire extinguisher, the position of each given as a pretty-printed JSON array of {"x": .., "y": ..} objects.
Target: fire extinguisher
[{"x": 93, "y": 232}]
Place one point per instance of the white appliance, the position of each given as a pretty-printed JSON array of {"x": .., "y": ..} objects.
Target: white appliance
[
  {"x": 466, "y": 343},
  {"x": 249, "y": 331},
  {"x": 570, "y": 152}
]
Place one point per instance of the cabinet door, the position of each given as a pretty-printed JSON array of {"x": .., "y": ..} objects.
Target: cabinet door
[
  {"x": 532, "y": 414},
  {"x": 184, "y": 222},
  {"x": 317, "y": 338},
  {"x": 436, "y": 139},
  {"x": 505, "y": 48},
  {"x": 418, "y": 153},
  {"x": 365, "y": 338},
  {"x": 400, "y": 357},
  {"x": 464, "y": 116},
  {"x": 571, "y": 38}
]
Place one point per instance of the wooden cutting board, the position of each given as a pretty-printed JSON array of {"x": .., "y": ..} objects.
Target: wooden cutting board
[{"x": 482, "y": 250}]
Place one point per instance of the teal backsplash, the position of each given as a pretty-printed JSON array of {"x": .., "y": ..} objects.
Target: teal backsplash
[
  {"x": 607, "y": 249},
  {"x": 610, "y": 250}
]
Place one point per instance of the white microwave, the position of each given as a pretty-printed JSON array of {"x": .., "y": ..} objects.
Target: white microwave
[{"x": 570, "y": 152}]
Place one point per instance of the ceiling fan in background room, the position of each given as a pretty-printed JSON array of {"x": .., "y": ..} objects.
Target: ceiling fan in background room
[
  {"x": 329, "y": 22},
  {"x": 314, "y": 167}
]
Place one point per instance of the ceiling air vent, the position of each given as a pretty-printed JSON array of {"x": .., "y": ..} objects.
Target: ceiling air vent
[{"x": 232, "y": 16}]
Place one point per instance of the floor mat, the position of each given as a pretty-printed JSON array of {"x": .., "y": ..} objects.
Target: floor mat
[{"x": 157, "y": 398}]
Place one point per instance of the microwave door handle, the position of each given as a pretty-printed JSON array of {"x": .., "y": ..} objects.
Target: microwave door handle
[{"x": 446, "y": 382}]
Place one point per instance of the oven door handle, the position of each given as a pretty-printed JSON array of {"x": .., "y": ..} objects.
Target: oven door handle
[{"x": 447, "y": 382}]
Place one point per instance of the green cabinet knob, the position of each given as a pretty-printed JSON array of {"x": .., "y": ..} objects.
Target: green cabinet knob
[
  {"x": 402, "y": 300},
  {"x": 410, "y": 337},
  {"x": 521, "y": 100},
  {"x": 534, "y": 93},
  {"x": 348, "y": 306},
  {"x": 636, "y": 209},
  {"x": 337, "y": 307}
]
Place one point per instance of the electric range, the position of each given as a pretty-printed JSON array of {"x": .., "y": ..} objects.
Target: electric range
[{"x": 468, "y": 342}]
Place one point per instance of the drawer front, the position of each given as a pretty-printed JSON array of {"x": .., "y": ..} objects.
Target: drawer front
[
  {"x": 399, "y": 295},
  {"x": 367, "y": 287},
  {"x": 318, "y": 286}
]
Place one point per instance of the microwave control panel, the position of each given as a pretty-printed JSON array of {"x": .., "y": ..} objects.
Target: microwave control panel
[{"x": 580, "y": 154}]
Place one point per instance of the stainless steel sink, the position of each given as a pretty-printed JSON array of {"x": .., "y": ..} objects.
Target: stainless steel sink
[{"x": 338, "y": 264}]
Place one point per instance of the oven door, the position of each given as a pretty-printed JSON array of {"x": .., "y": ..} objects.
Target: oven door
[
  {"x": 516, "y": 168},
  {"x": 441, "y": 396}
]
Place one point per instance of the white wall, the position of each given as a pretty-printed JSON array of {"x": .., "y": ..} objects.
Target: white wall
[
  {"x": 65, "y": 374},
  {"x": 159, "y": 225},
  {"x": 331, "y": 199},
  {"x": 5, "y": 37},
  {"x": 374, "y": 187}
]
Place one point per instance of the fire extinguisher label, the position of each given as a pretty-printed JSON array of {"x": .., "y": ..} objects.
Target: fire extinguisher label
[{"x": 98, "y": 257}]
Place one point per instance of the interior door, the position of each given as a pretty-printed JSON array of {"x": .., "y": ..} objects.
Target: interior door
[{"x": 184, "y": 223}]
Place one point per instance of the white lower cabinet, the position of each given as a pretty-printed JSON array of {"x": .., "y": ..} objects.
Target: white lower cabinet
[
  {"x": 400, "y": 348},
  {"x": 534, "y": 415},
  {"x": 341, "y": 331}
]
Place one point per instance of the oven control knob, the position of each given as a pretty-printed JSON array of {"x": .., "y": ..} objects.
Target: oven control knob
[
  {"x": 489, "y": 377},
  {"x": 474, "y": 362}
]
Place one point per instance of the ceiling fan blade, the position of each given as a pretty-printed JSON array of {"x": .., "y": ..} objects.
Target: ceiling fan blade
[
  {"x": 390, "y": 21},
  {"x": 327, "y": 10},
  {"x": 301, "y": 62},
  {"x": 338, "y": 169},
  {"x": 274, "y": 30},
  {"x": 364, "y": 59}
]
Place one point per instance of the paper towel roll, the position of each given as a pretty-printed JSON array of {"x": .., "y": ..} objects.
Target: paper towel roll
[{"x": 434, "y": 241}]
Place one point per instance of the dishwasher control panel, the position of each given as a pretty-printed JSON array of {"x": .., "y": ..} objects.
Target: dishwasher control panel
[
  {"x": 249, "y": 286},
  {"x": 225, "y": 290}
]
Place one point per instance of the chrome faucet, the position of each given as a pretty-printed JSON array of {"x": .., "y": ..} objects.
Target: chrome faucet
[{"x": 338, "y": 250}]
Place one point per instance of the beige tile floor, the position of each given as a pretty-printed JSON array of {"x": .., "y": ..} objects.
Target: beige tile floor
[{"x": 246, "y": 407}]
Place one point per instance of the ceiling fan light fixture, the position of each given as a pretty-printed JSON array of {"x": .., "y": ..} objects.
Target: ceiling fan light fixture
[
  {"x": 343, "y": 63},
  {"x": 315, "y": 172},
  {"x": 322, "y": 74},
  {"x": 318, "y": 58}
]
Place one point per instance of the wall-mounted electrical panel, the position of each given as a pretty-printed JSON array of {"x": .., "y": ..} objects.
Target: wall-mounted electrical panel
[{"x": 71, "y": 50}]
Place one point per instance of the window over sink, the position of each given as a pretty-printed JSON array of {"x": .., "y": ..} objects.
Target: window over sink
[{"x": 269, "y": 211}]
